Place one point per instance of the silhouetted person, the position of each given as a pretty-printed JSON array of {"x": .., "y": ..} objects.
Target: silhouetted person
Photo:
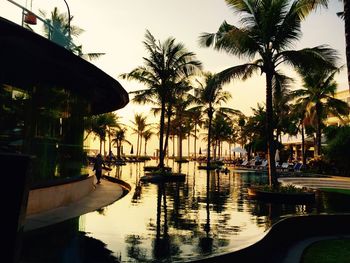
[{"x": 99, "y": 163}]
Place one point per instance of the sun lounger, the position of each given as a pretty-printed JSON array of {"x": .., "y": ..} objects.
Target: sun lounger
[
  {"x": 284, "y": 166},
  {"x": 245, "y": 163},
  {"x": 297, "y": 167},
  {"x": 263, "y": 165}
]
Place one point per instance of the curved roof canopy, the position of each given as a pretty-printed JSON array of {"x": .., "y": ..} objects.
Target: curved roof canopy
[{"x": 28, "y": 59}]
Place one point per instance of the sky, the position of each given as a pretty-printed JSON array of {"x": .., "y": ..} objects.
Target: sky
[{"x": 117, "y": 28}]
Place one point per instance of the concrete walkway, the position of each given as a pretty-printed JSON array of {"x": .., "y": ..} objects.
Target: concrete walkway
[
  {"x": 317, "y": 182},
  {"x": 104, "y": 194},
  {"x": 295, "y": 252}
]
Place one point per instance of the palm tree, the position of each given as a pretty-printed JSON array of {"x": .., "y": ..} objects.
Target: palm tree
[
  {"x": 269, "y": 28},
  {"x": 100, "y": 125},
  {"x": 181, "y": 104},
  {"x": 119, "y": 139},
  {"x": 195, "y": 116},
  {"x": 209, "y": 97},
  {"x": 317, "y": 98},
  {"x": 254, "y": 131},
  {"x": 313, "y": 4},
  {"x": 140, "y": 126},
  {"x": 167, "y": 63},
  {"x": 147, "y": 134},
  {"x": 298, "y": 115}
]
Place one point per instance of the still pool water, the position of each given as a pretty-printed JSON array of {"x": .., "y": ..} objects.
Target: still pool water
[{"x": 206, "y": 215}]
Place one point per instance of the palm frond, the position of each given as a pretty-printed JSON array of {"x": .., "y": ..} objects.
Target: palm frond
[
  {"x": 308, "y": 59},
  {"x": 243, "y": 72}
]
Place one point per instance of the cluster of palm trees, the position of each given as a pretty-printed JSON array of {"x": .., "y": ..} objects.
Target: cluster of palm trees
[
  {"x": 267, "y": 31},
  {"x": 265, "y": 37},
  {"x": 108, "y": 128}
]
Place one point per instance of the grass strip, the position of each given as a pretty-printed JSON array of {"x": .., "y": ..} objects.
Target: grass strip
[
  {"x": 327, "y": 251},
  {"x": 336, "y": 190}
]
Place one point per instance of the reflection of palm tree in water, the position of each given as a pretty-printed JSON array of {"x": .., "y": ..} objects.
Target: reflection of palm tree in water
[
  {"x": 118, "y": 171},
  {"x": 138, "y": 187},
  {"x": 162, "y": 242},
  {"x": 206, "y": 243},
  {"x": 180, "y": 167}
]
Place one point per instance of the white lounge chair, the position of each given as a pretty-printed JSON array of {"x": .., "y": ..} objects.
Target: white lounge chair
[{"x": 284, "y": 166}]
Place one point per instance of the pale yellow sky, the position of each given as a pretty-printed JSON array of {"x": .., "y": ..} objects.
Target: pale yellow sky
[{"x": 117, "y": 28}]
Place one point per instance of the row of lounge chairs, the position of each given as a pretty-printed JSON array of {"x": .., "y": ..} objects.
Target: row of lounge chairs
[{"x": 283, "y": 167}]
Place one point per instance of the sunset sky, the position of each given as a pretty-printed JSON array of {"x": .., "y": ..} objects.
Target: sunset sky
[{"x": 117, "y": 28}]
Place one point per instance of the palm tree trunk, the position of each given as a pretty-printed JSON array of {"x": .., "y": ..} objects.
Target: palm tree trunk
[
  {"x": 167, "y": 133},
  {"x": 303, "y": 144},
  {"x": 229, "y": 150},
  {"x": 188, "y": 144},
  {"x": 210, "y": 116},
  {"x": 174, "y": 145},
  {"x": 145, "y": 147},
  {"x": 141, "y": 143},
  {"x": 347, "y": 35},
  {"x": 137, "y": 144},
  {"x": 161, "y": 136},
  {"x": 180, "y": 145},
  {"x": 269, "y": 131},
  {"x": 118, "y": 150},
  {"x": 100, "y": 145},
  {"x": 318, "y": 135},
  {"x": 195, "y": 141},
  {"x": 109, "y": 141}
]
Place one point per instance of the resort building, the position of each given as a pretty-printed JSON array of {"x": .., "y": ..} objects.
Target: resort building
[
  {"x": 46, "y": 92},
  {"x": 294, "y": 142},
  {"x": 343, "y": 95}
]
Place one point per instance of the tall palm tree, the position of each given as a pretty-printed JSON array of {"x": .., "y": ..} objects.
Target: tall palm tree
[
  {"x": 347, "y": 35},
  {"x": 119, "y": 139},
  {"x": 317, "y": 97},
  {"x": 167, "y": 62},
  {"x": 100, "y": 125},
  {"x": 181, "y": 104},
  {"x": 195, "y": 116},
  {"x": 140, "y": 126},
  {"x": 269, "y": 29},
  {"x": 209, "y": 97},
  {"x": 147, "y": 134},
  {"x": 313, "y": 4},
  {"x": 298, "y": 116}
]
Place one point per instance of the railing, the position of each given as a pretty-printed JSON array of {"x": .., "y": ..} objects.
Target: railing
[{"x": 50, "y": 27}]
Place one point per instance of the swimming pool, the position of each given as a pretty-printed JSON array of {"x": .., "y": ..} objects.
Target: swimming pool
[{"x": 208, "y": 214}]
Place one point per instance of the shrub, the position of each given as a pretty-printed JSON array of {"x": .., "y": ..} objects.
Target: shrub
[{"x": 338, "y": 148}]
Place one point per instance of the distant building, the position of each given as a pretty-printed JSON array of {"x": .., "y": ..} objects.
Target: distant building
[
  {"x": 293, "y": 143},
  {"x": 343, "y": 95}
]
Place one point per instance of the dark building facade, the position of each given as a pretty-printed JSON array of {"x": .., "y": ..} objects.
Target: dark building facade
[{"x": 46, "y": 92}]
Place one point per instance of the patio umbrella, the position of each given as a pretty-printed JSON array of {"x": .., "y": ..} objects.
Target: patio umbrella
[{"x": 239, "y": 150}]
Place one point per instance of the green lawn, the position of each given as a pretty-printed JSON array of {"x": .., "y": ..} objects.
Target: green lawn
[
  {"x": 336, "y": 190},
  {"x": 328, "y": 251}
]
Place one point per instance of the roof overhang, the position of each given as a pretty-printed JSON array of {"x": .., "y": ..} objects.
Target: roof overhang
[{"x": 28, "y": 59}]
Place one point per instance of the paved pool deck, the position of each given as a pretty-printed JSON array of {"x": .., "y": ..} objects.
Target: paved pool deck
[{"x": 103, "y": 195}]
